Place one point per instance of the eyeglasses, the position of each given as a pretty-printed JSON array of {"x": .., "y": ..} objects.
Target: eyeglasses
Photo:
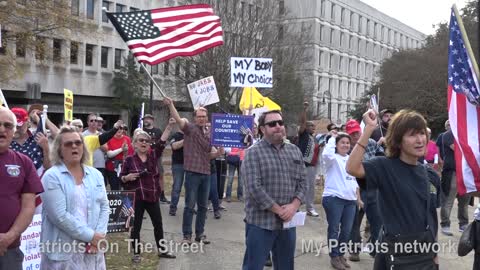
[
  {"x": 92, "y": 120},
  {"x": 274, "y": 123},
  {"x": 70, "y": 144},
  {"x": 78, "y": 126},
  {"x": 7, "y": 125},
  {"x": 143, "y": 140}
]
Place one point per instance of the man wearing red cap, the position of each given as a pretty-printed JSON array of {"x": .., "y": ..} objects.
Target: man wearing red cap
[{"x": 368, "y": 203}]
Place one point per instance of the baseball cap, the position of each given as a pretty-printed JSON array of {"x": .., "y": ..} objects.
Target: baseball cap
[
  {"x": 352, "y": 127},
  {"x": 148, "y": 116},
  {"x": 35, "y": 107},
  {"x": 21, "y": 114},
  {"x": 384, "y": 111}
]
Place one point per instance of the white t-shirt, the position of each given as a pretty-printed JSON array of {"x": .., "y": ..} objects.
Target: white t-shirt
[
  {"x": 81, "y": 203},
  {"x": 338, "y": 182}
]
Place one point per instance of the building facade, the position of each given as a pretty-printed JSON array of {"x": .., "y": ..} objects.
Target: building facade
[{"x": 349, "y": 41}]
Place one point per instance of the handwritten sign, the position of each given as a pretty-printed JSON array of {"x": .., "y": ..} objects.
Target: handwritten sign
[
  {"x": 256, "y": 72},
  {"x": 30, "y": 244},
  {"x": 121, "y": 210},
  {"x": 203, "y": 92},
  {"x": 68, "y": 104},
  {"x": 229, "y": 130}
]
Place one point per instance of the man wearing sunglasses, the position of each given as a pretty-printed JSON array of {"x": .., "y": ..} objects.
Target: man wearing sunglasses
[
  {"x": 18, "y": 186},
  {"x": 275, "y": 186},
  {"x": 99, "y": 154}
]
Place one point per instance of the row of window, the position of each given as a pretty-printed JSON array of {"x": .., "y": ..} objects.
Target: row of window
[
  {"x": 340, "y": 88},
  {"x": 91, "y": 10},
  {"x": 346, "y": 65}
]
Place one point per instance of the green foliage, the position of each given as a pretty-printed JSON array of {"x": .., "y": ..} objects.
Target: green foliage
[
  {"x": 289, "y": 94},
  {"x": 128, "y": 86}
]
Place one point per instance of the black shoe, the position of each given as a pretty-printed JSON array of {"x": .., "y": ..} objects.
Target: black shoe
[
  {"x": 164, "y": 200},
  {"x": 269, "y": 261},
  {"x": 172, "y": 213},
  {"x": 217, "y": 214},
  {"x": 167, "y": 255},
  {"x": 203, "y": 239}
]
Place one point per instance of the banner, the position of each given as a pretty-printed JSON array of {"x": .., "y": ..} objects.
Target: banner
[
  {"x": 3, "y": 101},
  {"x": 256, "y": 72},
  {"x": 251, "y": 96},
  {"x": 229, "y": 130},
  {"x": 203, "y": 92},
  {"x": 68, "y": 104},
  {"x": 30, "y": 244},
  {"x": 121, "y": 210}
]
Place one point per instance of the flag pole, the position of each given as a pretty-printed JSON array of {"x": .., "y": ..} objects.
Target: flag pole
[
  {"x": 466, "y": 42},
  {"x": 151, "y": 78}
]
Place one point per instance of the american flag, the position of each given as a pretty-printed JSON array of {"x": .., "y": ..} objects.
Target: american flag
[
  {"x": 127, "y": 207},
  {"x": 463, "y": 109},
  {"x": 156, "y": 35}
]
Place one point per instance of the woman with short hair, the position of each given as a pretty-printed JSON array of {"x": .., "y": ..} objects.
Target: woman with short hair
[{"x": 75, "y": 207}]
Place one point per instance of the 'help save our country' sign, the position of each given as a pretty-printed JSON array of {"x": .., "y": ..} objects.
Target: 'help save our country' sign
[
  {"x": 203, "y": 92},
  {"x": 251, "y": 72}
]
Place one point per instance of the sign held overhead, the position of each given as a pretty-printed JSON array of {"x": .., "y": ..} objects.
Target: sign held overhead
[{"x": 255, "y": 72}]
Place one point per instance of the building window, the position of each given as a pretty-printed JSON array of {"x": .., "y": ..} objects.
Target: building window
[
  {"x": 349, "y": 67},
  {"x": 332, "y": 38},
  {"x": 351, "y": 20},
  {"x": 166, "y": 67},
  {"x": 40, "y": 48},
  {"x": 320, "y": 56},
  {"x": 280, "y": 32},
  {"x": 90, "y": 9},
  {"x": 3, "y": 47},
  {"x": 330, "y": 64},
  {"x": 359, "y": 27},
  {"x": 89, "y": 54},
  {"x": 105, "y": 4},
  {"x": 332, "y": 12},
  {"x": 118, "y": 59},
  {"x": 340, "y": 63},
  {"x": 321, "y": 32},
  {"x": 20, "y": 45},
  {"x": 73, "y": 52},
  {"x": 234, "y": 7},
  {"x": 341, "y": 39},
  {"x": 342, "y": 16},
  {"x": 257, "y": 12},
  {"x": 154, "y": 69},
  {"x": 75, "y": 8},
  {"x": 119, "y": 8},
  {"x": 104, "y": 57},
  {"x": 350, "y": 42},
  {"x": 250, "y": 11},
  {"x": 242, "y": 10},
  {"x": 133, "y": 9},
  {"x": 177, "y": 69},
  {"x": 281, "y": 7},
  {"x": 57, "y": 50},
  {"x": 367, "y": 30}
]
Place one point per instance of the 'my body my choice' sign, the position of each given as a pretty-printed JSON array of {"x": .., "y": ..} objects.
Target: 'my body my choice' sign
[{"x": 254, "y": 72}]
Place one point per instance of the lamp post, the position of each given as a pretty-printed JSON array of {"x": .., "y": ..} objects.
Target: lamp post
[{"x": 327, "y": 92}]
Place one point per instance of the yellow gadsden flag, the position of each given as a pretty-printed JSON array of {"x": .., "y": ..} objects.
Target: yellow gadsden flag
[{"x": 257, "y": 100}]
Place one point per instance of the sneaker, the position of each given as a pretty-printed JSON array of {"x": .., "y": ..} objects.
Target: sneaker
[
  {"x": 344, "y": 261},
  {"x": 203, "y": 239},
  {"x": 336, "y": 263},
  {"x": 167, "y": 255},
  {"x": 354, "y": 257},
  {"x": 187, "y": 240},
  {"x": 217, "y": 214},
  {"x": 172, "y": 212},
  {"x": 312, "y": 213},
  {"x": 446, "y": 231},
  {"x": 269, "y": 261},
  {"x": 136, "y": 258},
  {"x": 462, "y": 228},
  {"x": 164, "y": 200},
  {"x": 222, "y": 207}
]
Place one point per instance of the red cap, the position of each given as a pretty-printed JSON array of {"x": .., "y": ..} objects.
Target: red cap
[
  {"x": 352, "y": 127},
  {"x": 21, "y": 114}
]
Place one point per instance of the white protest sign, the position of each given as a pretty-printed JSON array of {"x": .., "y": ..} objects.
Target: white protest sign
[
  {"x": 30, "y": 244},
  {"x": 203, "y": 92},
  {"x": 3, "y": 101},
  {"x": 254, "y": 72}
]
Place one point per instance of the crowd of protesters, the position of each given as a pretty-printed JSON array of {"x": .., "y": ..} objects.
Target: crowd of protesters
[{"x": 390, "y": 171}]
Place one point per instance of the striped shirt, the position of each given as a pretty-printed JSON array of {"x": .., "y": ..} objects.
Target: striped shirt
[{"x": 271, "y": 176}]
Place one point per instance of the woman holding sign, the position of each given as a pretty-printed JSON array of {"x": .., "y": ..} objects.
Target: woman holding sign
[{"x": 75, "y": 207}]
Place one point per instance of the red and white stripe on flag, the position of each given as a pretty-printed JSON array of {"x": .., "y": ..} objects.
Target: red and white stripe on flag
[
  {"x": 154, "y": 36},
  {"x": 463, "y": 110}
]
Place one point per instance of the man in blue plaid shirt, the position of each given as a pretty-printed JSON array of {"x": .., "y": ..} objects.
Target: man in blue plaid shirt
[{"x": 275, "y": 185}]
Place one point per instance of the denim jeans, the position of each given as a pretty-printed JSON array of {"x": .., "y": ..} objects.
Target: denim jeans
[
  {"x": 311, "y": 174},
  {"x": 260, "y": 242},
  {"x": 373, "y": 217},
  {"x": 178, "y": 177},
  {"x": 231, "y": 174},
  {"x": 221, "y": 166},
  {"x": 214, "y": 192},
  {"x": 197, "y": 189},
  {"x": 340, "y": 216}
]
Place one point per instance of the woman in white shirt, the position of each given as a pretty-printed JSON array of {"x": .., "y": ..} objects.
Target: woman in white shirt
[{"x": 339, "y": 197}]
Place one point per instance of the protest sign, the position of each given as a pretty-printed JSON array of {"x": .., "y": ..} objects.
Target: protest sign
[
  {"x": 68, "y": 104},
  {"x": 229, "y": 130},
  {"x": 3, "y": 101},
  {"x": 203, "y": 92},
  {"x": 256, "y": 72},
  {"x": 30, "y": 244},
  {"x": 121, "y": 210}
]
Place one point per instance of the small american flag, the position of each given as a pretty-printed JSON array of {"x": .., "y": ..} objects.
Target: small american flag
[
  {"x": 156, "y": 35},
  {"x": 463, "y": 109},
  {"x": 127, "y": 207}
]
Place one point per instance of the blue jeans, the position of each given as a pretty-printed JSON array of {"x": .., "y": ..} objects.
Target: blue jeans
[
  {"x": 340, "y": 216},
  {"x": 197, "y": 189},
  {"x": 178, "y": 177},
  {"x": 260, "y": 242},
  {"x": 214, "y": 192},
  {"x": 231, "y": 174},
  {"x": 373, "y": 217}
]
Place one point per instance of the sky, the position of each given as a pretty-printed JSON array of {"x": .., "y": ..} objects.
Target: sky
[{"x": 419, "y": 14}]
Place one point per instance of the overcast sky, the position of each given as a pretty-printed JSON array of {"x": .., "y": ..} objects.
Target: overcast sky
[{"x": 419, "y": 14}]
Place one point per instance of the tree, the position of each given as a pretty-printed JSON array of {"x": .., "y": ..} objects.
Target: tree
[
  {"x": 27, "y": 23},
  {"x": 417, "y": 79},
  {"x": 128, "y": 86}
]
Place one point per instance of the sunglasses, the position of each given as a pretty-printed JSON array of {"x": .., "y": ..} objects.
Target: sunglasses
[
  {"x": 7, "y": 125},
  {"x": 78, "y": 126},
  {"x": 274, "y": 123},
  {"x": 124, "y": 128},
  {"x": 70, "y": 144},
  {"x": 92, "y": 120},
  {"x": 143, "y": 140}
]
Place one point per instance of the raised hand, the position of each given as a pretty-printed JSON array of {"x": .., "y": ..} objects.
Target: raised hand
[
  {"x": 118, "y": 124},
  {"x": 370, "y": 118}
]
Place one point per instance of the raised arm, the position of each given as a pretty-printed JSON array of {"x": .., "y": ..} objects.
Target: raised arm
[
  {"x": 105, "y": 137},
  {"x": 174, "y": 113},
  {"x": 354, "y": 163}
]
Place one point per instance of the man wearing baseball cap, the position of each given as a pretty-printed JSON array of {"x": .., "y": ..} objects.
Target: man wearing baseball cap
[
  {"x": 34, "y": 113},
  {"x": 381, "y": 131},
  {"x": 368, "y": 202}
]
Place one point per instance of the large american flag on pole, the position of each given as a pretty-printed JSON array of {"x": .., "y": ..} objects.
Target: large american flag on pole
[
  {"x": 463, "y": 107},
  {"x": 156, "y": 35}
]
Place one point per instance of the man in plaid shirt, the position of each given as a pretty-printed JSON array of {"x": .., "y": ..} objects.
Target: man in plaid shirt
[{"x": 275, "y": 185}]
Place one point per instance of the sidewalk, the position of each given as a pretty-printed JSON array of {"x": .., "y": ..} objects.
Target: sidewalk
[{"x": 227, "y": 247}]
